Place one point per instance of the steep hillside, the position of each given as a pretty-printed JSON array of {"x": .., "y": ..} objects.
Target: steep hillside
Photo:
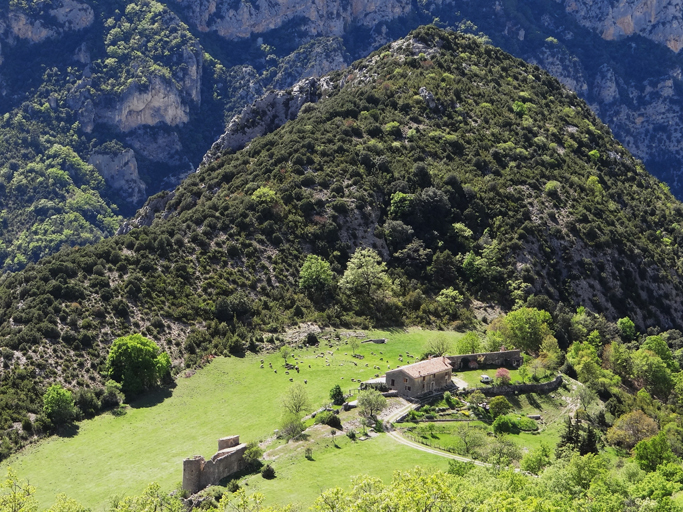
[
  {"x": 475, "y": 176},
  {"x": 139, "y": 90}
]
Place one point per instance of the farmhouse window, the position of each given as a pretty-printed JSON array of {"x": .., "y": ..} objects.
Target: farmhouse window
[
  {"x": 392, "y": 382},
  {"x": 405, "y": 380}
]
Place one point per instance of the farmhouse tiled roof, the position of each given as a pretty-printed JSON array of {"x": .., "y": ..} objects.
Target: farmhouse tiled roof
[{"x": 428, "y": 367}]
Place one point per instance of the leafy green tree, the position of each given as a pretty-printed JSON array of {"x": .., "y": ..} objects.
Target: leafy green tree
[
  {"x": 631, "y": 428},
  {"x": 627, "y": 329},
  {"x": 499, "y": 406},
  {"x": 366, "y": 280},
  {"x": 468, "y": 344},
  {"x": 58, "y": 405},
  {"x": 438, "y": 345},
  {"x": 650, "y": 453},
  {"x": 523, "y": 373},
  {"x": 536, "y": 460},
  {"x": 657, "y": 345},
  {"x": 354, "y": 343},
  {"x": 65, "y": 504},
  {"x": 16, "y": 495},
  {"x": 295, "y": 401},
  {"x": 137, "y": 363},
  {"x": 449, "y": 300},
  {"x": 526, "y": 328},
  {"x": 337, "y": 395},
  {"x": 654, "y": 373},
  {"x": 285, "y": 352},
  {"x": 152, "y": 498},
  {"x": 371, "y": 403},
  {"x": 315, "y": 275}
]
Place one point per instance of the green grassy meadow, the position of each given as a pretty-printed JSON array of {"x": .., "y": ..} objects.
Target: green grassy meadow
[
  {"x": 473, "y": 377},
  {"x": 121, "y": 455},
  {"x": 300, "y": 481}
]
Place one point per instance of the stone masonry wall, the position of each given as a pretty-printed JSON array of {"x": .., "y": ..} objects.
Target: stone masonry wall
[
  {"x": 503, "y": 358},
  {"x": 199, "y": 473},
  {"x": 545, "y": 387}
]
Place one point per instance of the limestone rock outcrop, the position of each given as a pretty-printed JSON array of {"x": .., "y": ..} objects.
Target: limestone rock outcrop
[
  {"x": 658, "y": 20},
  {"x": 120, "y": 172},
  {"x": 161, "y": 101},
  {"x": 158, "y": 103},
  {"x": 237, "y": 19},
  {"x": 264, "y": 116},
  {"x": 64, "y": 16},
  {"x": 146, "y": 215}
]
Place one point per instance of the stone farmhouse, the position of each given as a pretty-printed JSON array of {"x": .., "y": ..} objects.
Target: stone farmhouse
[
  {"x": 419, "y": 378},
  {"x": 435, "y": 374},
  {"x": 199, "y": 473}
]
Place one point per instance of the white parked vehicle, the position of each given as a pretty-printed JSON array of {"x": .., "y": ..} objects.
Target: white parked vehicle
[{"x": 486, "y": 379}]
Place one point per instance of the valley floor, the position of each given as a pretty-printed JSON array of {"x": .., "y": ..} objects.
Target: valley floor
[{"x": 120, "y": 455}]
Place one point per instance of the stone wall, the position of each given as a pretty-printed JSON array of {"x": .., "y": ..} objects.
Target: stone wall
[
  {"x": 544, "y": 387},
  {"x": 199, "y": 473},
  {"x": 511, "y": 358}
]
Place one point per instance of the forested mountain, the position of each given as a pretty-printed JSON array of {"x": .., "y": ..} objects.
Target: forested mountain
[
  {"x": 105, "y": 103},
  {"x": 474, "y": 176}
]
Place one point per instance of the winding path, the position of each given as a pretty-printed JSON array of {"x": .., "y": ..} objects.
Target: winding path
[{"x": 396, "y": 436}]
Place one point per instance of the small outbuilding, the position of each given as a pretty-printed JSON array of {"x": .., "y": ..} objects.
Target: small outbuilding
[{"x": 419, "y": 378}]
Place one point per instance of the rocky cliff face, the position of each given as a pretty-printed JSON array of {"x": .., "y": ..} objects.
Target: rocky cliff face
[
  {"x": 234, "y": 19},
  {"x": 64, "y": 16},
  {"x": 264, "y": 116},
  {"x": 158, "y": 103},
  {"x": 120, "y": 172},
  {"x": 658, "y": 20}
]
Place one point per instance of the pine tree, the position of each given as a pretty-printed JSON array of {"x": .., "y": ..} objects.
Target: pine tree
[{"x": 589, "y": 441}]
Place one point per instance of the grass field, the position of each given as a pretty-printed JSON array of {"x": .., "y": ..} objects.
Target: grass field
[
  {"x": 121, "y": 455},
  {"x": 301, "y": 481},
  {"x": 473, "y": 377}
]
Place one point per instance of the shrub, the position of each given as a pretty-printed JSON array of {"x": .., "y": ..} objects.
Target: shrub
[
  {"x": 527, "y": 424},
  {"x": 337, "y": 395},
  {"x": 502, "y": 377},
  {"x": 58, "y": 405},
  {"x": 87, "y": 402},
  {"x": 291, "y": 427},
  {"x": 309, "y": 453},
  {"x": 552, "y": 188},
  {"x": 351, "y": 434},
  {"x": 329, "y": 418},
  {"x": 137, "y": 363},
  {"x": 505, "y": 425},
  {"x": 499, "y": 405},
  {"x": 268, "y": 472},
  {"x": 252, "y": 454}
]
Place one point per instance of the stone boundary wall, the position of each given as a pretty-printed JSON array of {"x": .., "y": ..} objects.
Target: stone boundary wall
[
  {"x": 199, "y": 473},
  {"x": 543, "y": 387},
  {"x": 503, "y": 358}
]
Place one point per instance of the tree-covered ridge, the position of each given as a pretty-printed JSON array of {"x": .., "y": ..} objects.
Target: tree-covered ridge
[
  {"x": 68, "y": 94},
  {"x": 472, "y": 174}
]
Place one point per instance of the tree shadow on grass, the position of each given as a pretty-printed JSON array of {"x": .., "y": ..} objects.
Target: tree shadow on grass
[
  {"x": 67, "y": 431},
  {"x": 533, "y": 402},
  {"x": 514, "y": 401},
  {"x": 153, "y": 398}
]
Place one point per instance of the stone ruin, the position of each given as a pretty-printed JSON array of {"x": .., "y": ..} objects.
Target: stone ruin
[{"x": 199, "y": 473}]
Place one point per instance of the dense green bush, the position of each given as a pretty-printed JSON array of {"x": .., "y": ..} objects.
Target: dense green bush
[{"x": 328, "y": 418}]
